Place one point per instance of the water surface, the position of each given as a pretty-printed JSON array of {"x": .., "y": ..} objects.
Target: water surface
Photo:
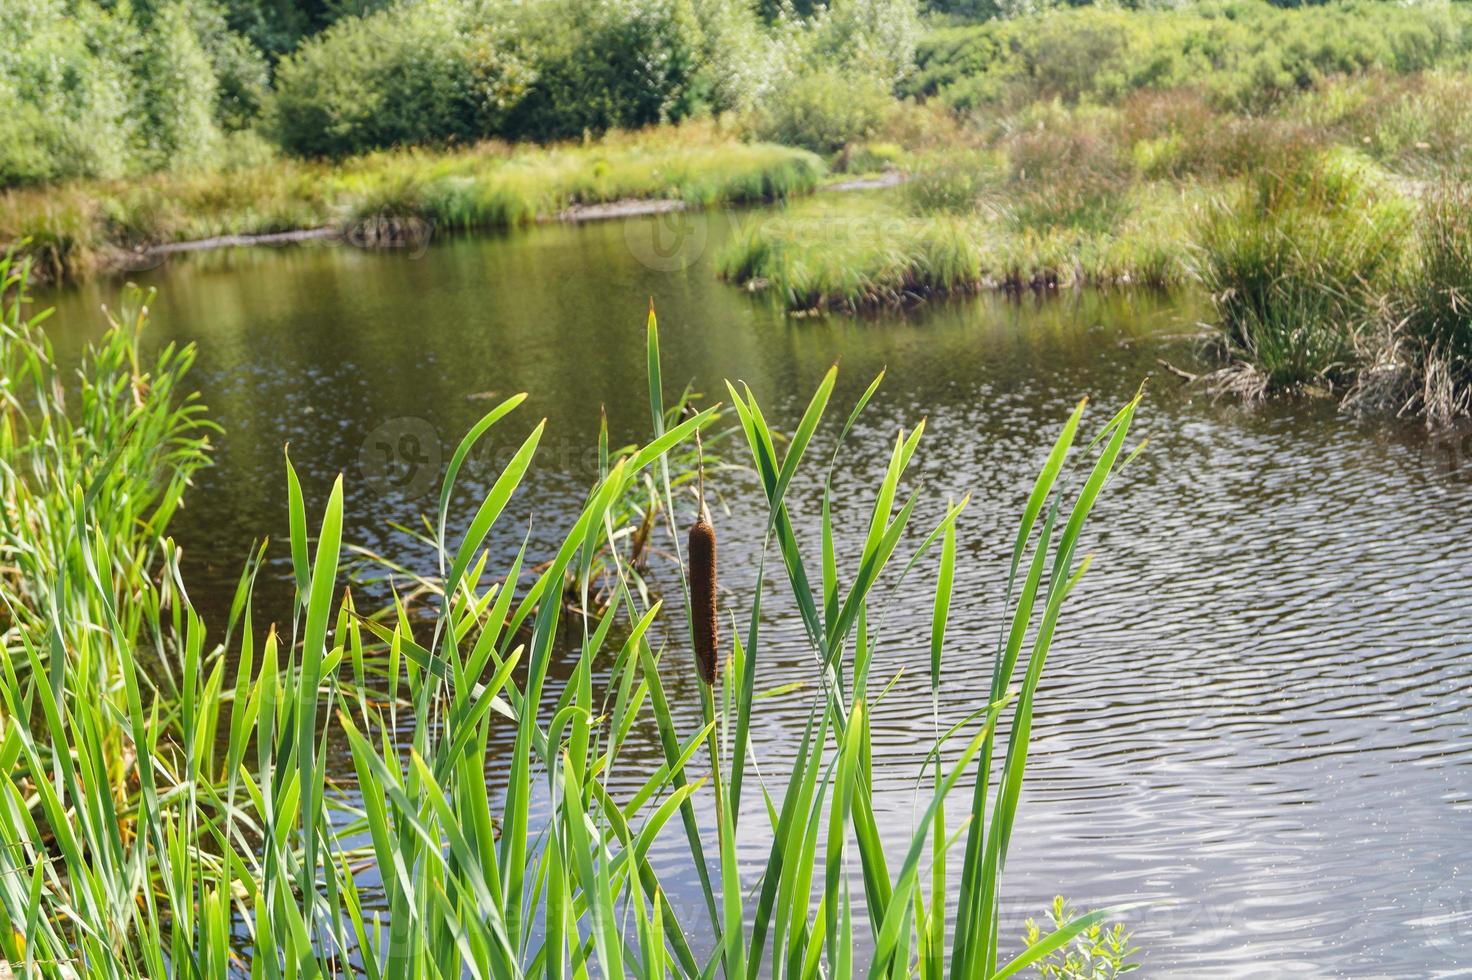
[{"x": 1256, "y": 716}]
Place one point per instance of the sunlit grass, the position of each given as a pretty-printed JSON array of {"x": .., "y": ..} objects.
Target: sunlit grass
[{"x": 864, "y": 251}]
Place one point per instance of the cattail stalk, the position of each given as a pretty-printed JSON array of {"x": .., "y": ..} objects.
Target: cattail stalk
[{"x": 702, "y": 553}]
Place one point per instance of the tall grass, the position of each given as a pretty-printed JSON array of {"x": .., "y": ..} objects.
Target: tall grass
[
  {"x": 1296, "y": 261},
  {"x": 240, "y": 853},
  {"x": 1420, "y": 361}
]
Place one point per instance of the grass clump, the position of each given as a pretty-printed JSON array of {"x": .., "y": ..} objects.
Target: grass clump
[
  {"x": 1295, "y": 263},
  {"x": 1420, "y": 360},
  {"x": 238, "y": 848}
]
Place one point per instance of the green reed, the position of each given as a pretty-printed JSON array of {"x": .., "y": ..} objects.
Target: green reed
[{"x": 233, "y": 850}]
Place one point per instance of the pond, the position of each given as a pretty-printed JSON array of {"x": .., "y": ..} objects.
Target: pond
[{"x": 1257, "y": 717}]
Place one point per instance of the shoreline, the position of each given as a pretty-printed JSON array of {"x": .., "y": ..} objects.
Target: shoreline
[{"x": 125, "y": 260}]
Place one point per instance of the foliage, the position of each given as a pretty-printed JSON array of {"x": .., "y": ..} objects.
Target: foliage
[
  {"x": 823, "y": 110},
  {"x": 1100, "y": 952},
  {"x": 231, "y": 834},
  {"x": 401, "y": 76},
  {"x": 599, "y": 66},
  {"x": 1245, "y": 53},
  {"x": 112, "y": 91},
  {"x": 869, "y": 38},
  {"x": 441, "y": 71}
]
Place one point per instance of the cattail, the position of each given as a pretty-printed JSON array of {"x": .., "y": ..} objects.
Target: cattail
[{"x": 703, "y": 594}]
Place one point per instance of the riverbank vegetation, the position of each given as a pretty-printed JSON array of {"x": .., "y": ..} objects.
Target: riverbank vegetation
[
  {"x": 76, "y": 227},
  {"x": 170, "y": 801}
]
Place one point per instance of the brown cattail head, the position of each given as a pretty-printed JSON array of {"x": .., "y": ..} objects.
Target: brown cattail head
[{"x": 703, "y": 595}]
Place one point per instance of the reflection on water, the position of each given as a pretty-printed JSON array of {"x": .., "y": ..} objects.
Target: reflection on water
[{"x": 1256, "y": 716}]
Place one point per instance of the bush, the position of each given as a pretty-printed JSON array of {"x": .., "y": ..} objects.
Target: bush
[
  {"x": 1099, "y": 952},
  {"x": 600, "y": 66},
  {"x": 178, "y": 93},
  {"x": 110, "y": 91},
  {"x": 68, "y": 94},
  {"x": 822, "y": 109},
  {"x": 868, "y": 37},
  {"x": 399, "y": 76},
  {"x": 446, "y": 71}
]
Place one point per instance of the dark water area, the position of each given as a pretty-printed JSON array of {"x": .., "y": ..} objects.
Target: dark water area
[{"x": 1257, "y": 715}]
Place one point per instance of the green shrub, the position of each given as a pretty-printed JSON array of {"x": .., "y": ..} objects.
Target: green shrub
[
  {"x": 823, "y": 109},
  {"x": 104, "y": 90},
  {"x": 68, "y": 93},
  {"x": 1099, "y": 952},
  {"x": 599, "y": 66},
  {"x": 444, "y": 71},
  {"x": 178, "y": 93},
  {"x": 396, "y": 77},
  {"x": 867, "y": 37}
]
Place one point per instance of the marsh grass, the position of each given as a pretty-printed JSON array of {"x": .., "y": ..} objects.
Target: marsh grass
[
  {"x": 74, "y": 228},
  {"x": 1419, "y": 360},
  {"x": 876, "y": 252},
  {"x": 1295, "y": 262},
  {"x": 237, "y": 852}
]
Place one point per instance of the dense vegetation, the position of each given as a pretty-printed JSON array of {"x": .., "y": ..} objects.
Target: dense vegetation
[
  {"x": 1244, "y": 54},
  {"x": 167, "y": 808},
  {"x": 104, "y": 90}
]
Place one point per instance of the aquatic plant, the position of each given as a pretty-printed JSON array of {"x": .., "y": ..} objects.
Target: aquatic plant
[
  {"x": 1100, "y": 952},
  {"x": 240, "y": 852}
]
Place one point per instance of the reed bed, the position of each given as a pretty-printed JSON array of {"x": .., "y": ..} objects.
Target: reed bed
[{"x": 229, "y": 849}]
